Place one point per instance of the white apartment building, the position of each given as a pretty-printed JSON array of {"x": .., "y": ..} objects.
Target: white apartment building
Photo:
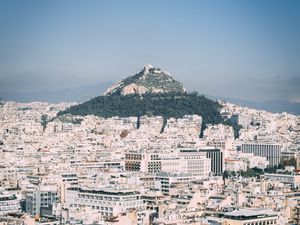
[
  {"x": 166, "y": 180},
  {"x": 290, "y": 179},
  {"x": 254, "y": 161},
  {"x": 110, "y": 202},
  {"x": 8, "y": 172},
  {"x": 243, "y": 161},
  {"x": 9, "y": 204}
]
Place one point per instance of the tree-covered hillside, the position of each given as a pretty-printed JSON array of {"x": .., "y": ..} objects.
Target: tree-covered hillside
[{"x": 166, "y": 105}]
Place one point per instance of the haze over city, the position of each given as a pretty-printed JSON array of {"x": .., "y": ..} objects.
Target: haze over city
[{"x": 244, "y": 50}]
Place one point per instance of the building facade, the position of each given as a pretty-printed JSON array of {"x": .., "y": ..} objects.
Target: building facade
[
  {"x": 271, "y": 151},
  {"x": 108, "y": 202}
]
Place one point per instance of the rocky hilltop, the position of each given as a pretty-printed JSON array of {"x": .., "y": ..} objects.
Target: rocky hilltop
[{"x": 148, "y": 80}]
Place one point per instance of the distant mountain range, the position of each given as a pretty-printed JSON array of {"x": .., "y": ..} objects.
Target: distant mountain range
[{"x": 270, "y": 106}]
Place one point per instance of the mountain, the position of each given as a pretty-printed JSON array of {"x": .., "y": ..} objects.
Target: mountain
[
  {"x": 79, "y": 94},
  {"x": 147, "y": 80},
  {"x": 150, "y": 92}
]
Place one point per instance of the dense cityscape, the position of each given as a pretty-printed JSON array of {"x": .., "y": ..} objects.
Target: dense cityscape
[
  {"x": 74, "y": 169},
  {"x": 153, "y": 112}
]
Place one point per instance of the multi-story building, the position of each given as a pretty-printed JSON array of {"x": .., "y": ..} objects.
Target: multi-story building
[
  {"x": 8, "y": 172},
  {"x": 9, "y": 204},
  {"x": 287, "y": 155},
  {"x": 293, "y": 180},
  {"x": 153, "y": 200},
  {"x": 241, "y": 119},
  {"x": 215, "y": 156},
  {"x": 148, "y": 162},
  {"x": 133, "y": 160},
  {"x": 243, "y": 161},
  {"x": 39, "y": 202},
  {"x": 235, "y": 165},
  {"x": 187, "y": 161},
  {"x": 195, "y": 162},
  {"x": 99, "y": 165},
  {"x": 109, "y": 202},
  {"x": 271, "y": 151},
  {"x": 166, "y": 180}
]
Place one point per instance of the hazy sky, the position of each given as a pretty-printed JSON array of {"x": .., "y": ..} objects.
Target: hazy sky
[{"x": 243, "y": 49}]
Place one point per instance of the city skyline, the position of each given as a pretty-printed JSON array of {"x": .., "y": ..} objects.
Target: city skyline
[{"x": 149, "y": 112}]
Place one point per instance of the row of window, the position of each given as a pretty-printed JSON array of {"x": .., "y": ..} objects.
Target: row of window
[{"x": 269, "y": 222}]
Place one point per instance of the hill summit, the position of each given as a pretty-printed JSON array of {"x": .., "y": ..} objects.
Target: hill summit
[
  {"x": 150, "y": 92},
  {"x": 148, "y": 80}
]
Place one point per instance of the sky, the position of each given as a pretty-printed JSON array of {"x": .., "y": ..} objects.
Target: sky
[{"x": 240, "y": 49}]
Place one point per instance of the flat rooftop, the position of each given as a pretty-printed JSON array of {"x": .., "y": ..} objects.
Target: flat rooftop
[{"x": 250, "y": 213}]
